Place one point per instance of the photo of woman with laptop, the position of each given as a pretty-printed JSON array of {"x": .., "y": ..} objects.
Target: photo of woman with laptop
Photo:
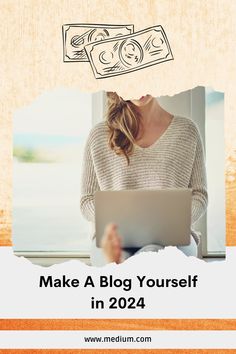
[{"x": 142, "y": 147}]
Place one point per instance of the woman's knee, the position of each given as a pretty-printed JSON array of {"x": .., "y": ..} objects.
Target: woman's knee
[
  {"x": 150, "y": 248},
  {"x": 191, "y": 249}
]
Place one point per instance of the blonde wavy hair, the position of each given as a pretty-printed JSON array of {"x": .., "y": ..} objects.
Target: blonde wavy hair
[{"x": 123, "y": 120}]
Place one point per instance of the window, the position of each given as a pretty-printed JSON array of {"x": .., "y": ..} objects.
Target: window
[{"x": 49, "y": 138}]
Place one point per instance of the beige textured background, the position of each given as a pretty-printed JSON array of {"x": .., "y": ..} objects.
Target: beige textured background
[{"x": 202, "y": 35}]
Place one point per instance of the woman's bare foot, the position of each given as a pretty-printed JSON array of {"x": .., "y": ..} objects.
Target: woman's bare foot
[{"x": 111, "y": 244}]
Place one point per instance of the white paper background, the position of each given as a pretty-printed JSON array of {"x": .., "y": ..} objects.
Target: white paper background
[{"x": 214, "y": 296}]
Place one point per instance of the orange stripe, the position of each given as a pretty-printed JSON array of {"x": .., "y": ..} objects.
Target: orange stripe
[
  {"x": 117, "y": 351},
  {"x": 5, "y": 242},
  {"x": 5, "y": 228},
  {"x": 231, "y": 213},
  {"x": 117, "y": 324}
]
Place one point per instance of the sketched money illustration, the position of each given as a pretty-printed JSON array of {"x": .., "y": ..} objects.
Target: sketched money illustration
[
  {"x": 112, "y": 53},
  {"x": 76, "y": 36}
]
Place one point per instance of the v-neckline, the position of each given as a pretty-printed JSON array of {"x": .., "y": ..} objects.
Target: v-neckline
[{"x": 161, "y": 137}]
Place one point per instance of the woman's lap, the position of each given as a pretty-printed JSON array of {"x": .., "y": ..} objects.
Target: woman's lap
[
  {"x": 191, "y": 249},
  {"x": 98, "y": 259}
]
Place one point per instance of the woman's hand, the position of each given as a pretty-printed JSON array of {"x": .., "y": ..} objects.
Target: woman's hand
[{"x": 111, "y": 243}]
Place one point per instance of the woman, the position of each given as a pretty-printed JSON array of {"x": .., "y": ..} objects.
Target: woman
[{"x": 141, "y": 146}]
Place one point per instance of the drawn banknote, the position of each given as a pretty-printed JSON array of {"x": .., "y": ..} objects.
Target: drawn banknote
[
  {"x": 76, "y": 36},
  {"x": 117, "y": 56}
]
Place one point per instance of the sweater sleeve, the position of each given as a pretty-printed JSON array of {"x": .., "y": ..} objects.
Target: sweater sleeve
[
  {"x": 89, "y": 183},
  {"x": 198, "y": 181}
]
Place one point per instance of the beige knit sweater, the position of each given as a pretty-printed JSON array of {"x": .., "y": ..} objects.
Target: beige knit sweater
[{"x": 175, "y": 160}]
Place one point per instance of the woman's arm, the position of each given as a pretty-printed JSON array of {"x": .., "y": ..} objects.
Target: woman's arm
[
  {"x": 89, "y": 183},
  {"x": 198, "y": 181}
]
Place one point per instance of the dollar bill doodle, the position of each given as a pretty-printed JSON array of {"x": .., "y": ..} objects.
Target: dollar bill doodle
[
  {"x": 117, "y": 56},
  {"x": 76, "y": 36}
]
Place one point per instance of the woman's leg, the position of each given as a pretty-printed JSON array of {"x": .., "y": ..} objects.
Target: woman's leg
[
  {"x": 190, "y": 250},
  {"x": 98, "y": 257}
]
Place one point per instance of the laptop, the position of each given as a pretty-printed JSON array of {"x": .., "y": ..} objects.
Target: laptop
[{"x": 160, "y": 216}]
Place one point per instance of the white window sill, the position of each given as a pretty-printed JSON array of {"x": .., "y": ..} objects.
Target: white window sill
[{"x": 47, "y": 259}]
